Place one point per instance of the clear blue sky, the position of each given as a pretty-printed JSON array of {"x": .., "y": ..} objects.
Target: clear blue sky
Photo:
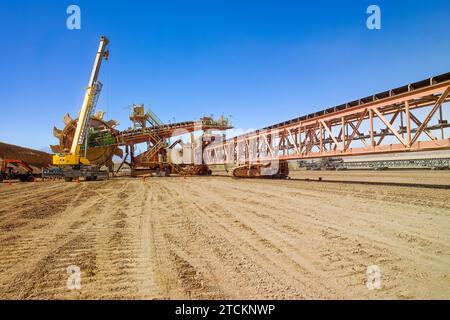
[{"x": 260, "y": 61}]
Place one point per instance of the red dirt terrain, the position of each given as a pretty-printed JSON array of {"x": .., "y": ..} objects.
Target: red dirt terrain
[{"x": 36, "y": 159}]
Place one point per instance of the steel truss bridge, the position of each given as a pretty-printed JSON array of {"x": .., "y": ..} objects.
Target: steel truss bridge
[{"x": 405, "y": 119}]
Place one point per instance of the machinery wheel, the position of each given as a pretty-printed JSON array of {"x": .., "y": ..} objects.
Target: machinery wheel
[
  {"x": 158, "y": 172},
  {"x": 167, "y": 172},
  {"x": 30, "y": 179},
  {"x": 88, "y": 178},
  {"x": 68, "y": 179}
]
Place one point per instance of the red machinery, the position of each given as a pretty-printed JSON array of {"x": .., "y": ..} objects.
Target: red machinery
[
  {"x": 406, "y": 119},
  {"x": 158, "y": 158},
  {"x": 10, "y": 173}
]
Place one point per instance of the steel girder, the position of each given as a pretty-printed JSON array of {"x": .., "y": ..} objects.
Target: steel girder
[{"x": 379, "y": 125}]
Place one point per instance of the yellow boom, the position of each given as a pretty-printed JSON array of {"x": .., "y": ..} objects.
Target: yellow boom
[{"x": 73, "y": 157}]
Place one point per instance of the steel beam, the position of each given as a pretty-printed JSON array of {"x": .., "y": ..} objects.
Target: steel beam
[{"x": 296, "y": 139}]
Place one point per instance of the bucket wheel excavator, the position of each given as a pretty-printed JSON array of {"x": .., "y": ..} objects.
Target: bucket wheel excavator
[
  {"x": 74, "y": 155},
  {"x": 99, "y": 155}
]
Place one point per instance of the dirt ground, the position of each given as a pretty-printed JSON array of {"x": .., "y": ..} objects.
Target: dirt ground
[{"x": 219, "y": 237}]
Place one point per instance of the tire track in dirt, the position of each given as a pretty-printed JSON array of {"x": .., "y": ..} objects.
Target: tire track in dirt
[
  {"x": 287, "y": 249},
  {"x": 292, "y": 275},
  {"x": 182, "y": 271},
  {"x": 232, "y": 246},
  {"x": 367, "y": 212},
  {"x": 207, "y": 238},
  {"x": 354, "y": 246},
  {"x": 41, "y": 257}
]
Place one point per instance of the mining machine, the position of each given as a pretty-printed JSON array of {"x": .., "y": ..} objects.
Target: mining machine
[{"x": 74, "y": 163}]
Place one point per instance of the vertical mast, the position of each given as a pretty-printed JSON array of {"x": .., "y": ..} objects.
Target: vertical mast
[{"x": 88, "y": 98}]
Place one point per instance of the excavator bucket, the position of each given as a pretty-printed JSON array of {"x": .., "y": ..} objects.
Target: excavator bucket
[
  {"x": 112, "y": 123},
  {"x": 57, "y": 133},
  {"x": 56, "y": 148},
  {"x": 99, "y": 115},
  {"x": 67, "y": 119}
]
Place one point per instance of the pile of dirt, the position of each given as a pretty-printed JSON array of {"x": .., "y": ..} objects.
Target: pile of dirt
[{"x": 36, "y": 159}]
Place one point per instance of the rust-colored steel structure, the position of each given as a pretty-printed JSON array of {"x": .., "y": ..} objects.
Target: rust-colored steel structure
[
  {"x": 100, "y": 155},
  {"x": 156, "y": 139},
  {"x": 150, "y": 130},
  {"x": 409, "y": 118}
]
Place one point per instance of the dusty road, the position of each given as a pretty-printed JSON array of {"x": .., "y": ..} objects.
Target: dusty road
[{"x": 217, "y": 237}]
